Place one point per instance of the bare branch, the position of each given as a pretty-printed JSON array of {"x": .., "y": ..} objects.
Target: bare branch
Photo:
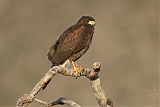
[
  {"x": 45, "y": 104},
  {"x": 62, "y": 101},
  {"x": 92, "y": 74},
  {"x": 100, "y": 94}
]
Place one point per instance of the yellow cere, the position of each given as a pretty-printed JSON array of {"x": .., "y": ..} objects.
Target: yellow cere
[{"x": 92, "y": 22}]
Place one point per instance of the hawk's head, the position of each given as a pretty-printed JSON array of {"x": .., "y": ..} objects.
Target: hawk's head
[{"x": 87, "y": 20}]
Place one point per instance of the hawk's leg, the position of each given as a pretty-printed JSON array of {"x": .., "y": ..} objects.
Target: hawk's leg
[
  {"x": 67, "y": 64},
  {"x": 76, "y": 68}
]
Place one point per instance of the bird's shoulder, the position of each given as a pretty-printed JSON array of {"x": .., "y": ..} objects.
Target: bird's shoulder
[
  {"x": 68, "y": 37},
  {"x": 72, "y": 32}
]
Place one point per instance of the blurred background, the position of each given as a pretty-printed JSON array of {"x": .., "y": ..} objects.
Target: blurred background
[{"x": 125, "y": 42}]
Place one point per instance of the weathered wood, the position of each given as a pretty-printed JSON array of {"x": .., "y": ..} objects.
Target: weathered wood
[{"x": 92, "y": 74}]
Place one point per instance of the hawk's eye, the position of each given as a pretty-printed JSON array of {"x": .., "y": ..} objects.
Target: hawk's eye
[{"x": 91, "y": 22}]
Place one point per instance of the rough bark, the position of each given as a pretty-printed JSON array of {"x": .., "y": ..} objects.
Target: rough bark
[{"x": 92, "y": 74}]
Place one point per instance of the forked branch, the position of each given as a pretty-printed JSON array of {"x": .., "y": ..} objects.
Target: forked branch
[{"x": 92, "y": 74}]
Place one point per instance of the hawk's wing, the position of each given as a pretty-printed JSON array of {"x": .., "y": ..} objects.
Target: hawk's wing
[{"x": 65, "y": 45}]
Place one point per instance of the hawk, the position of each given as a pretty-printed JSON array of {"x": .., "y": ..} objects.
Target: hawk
[{"x": 73, "y": 43}]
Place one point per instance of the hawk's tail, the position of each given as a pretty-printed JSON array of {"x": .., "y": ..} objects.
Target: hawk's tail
[{"x": 45, "y": 85}]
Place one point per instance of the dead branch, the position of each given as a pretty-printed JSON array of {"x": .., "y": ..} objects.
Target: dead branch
[
  {"x": 60, "y": 101},
  {"x": 92, "y": 74},
  {"x": 100, "y": 94}
]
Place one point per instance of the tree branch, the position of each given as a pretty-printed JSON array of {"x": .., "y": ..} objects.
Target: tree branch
[
  {"x": 92, "y": 74},
  {"x": 60, "y": 101}
]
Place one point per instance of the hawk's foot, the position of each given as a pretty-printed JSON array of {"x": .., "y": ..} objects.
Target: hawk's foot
[{"x": 77, "y": 69}]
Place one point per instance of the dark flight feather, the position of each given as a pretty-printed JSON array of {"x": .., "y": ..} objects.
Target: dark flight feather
[{"x": 73, "y": 42}]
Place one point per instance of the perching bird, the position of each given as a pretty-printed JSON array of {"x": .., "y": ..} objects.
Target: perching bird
[{"x": 72, "y": 44}]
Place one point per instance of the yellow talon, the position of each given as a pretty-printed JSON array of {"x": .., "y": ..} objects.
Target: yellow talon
[{"x": 76, "y": 68}]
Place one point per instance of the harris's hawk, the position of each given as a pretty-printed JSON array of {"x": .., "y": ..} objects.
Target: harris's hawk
[{"x": 73, "y": 43}]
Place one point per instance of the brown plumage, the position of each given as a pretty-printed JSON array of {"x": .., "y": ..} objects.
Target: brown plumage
[{"x": 73, "y": 42}]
